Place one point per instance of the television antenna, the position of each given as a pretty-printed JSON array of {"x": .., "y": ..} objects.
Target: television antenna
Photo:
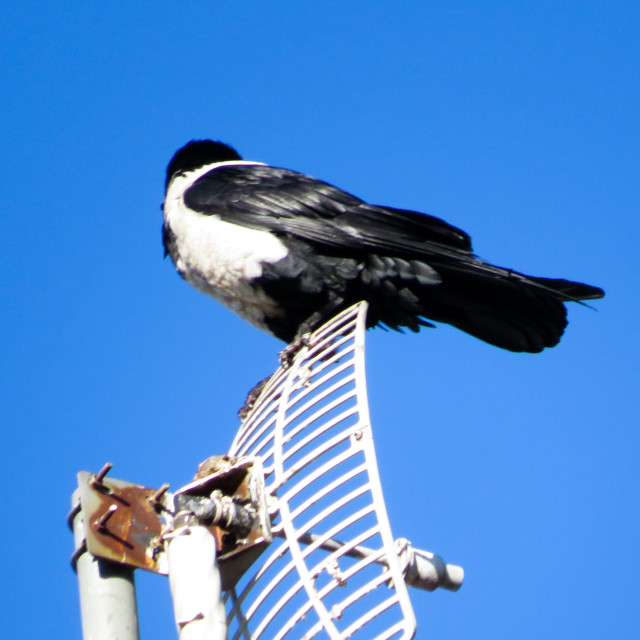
[{"x": 284, "y": 537}]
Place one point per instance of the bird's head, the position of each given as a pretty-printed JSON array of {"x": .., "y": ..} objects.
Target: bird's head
[{"x": 198, "y": 153}]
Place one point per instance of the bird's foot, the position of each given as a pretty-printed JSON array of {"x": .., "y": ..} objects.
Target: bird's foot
[
  {"x": 288, "y": 354},
  {"x": 252, "y": 398}
]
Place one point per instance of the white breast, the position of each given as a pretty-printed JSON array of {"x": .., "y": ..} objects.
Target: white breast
[{"x": 219, "y": 258}]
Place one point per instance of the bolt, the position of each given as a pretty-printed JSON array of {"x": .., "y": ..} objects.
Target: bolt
[
  {"x": 101, "y": 523},
  {"x": 155, "y": 498},
  {"x": 97, "y": 479}
]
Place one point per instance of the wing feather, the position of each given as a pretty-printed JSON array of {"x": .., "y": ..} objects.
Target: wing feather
[
  {"x": 286, "y": 202},
  {"x": 410, "y": 265}
]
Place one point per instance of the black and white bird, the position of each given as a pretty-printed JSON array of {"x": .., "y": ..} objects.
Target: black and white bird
[{"x": 286, "y": 251}]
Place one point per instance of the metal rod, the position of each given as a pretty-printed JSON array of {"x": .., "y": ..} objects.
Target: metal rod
[
  {"x": 196, "y": 588},
  {"x": 107, "y": 590},
  {"x": 424, "y": 570}
]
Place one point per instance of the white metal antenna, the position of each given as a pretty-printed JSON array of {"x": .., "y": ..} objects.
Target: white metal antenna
[
  {"x": 300, "y": 486},
  {"x": 336, "y": 570}
]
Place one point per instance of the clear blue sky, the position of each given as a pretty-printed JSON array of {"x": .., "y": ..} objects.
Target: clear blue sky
[{"x": 517, "y": 121}]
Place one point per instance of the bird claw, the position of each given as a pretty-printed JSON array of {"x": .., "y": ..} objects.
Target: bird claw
[
  {"x": 288, "y": 354},
  {"x": 252, "y": 398}
]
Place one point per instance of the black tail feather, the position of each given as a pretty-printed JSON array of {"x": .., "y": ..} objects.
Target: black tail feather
[{"x": 499, "y": 306}]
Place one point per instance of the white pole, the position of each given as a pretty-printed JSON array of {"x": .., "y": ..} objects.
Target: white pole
[
  {"x": 195, "y": 583},
  {"x": 107, "y": 590}
]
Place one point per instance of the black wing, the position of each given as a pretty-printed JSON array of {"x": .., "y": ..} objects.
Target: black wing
[
  {"x": 498, "y": 305},
  {"x": 286, "y": 202}
]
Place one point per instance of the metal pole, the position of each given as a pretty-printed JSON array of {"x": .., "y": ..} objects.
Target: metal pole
[
  {"x": 107, "y": 590},
  {"x": 195, "y": 582}
]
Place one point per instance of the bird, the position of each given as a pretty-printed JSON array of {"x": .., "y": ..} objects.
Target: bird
[{"x": 286, "y": 251}]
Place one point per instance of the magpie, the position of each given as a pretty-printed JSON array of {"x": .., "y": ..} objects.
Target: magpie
[{"x": 286, "y": 252}]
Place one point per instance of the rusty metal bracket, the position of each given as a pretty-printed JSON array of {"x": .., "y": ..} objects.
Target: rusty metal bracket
[
  {"x": 128, "y": 523},
  {"x": 124, "y": 521},
  {"x": 243, "y": 527}
]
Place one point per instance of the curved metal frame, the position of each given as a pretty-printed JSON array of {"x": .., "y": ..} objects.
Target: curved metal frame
[{"x": 336, "y": 569}]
